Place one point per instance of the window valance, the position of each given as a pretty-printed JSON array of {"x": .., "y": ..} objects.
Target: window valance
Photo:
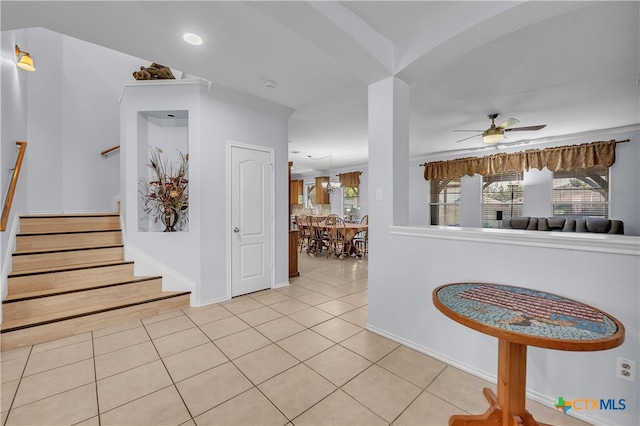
[
  {"x": 350, "y": 179},
  {"x": 568, "y": 157}
]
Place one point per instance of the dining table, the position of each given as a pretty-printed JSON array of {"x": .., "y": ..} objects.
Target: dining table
[
  {"x": 349, "y": 232},
  {"x": 521, "y": 317}
]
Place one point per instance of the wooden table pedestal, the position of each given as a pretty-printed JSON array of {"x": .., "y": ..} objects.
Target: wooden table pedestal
[{"x": 508, "y": 408}]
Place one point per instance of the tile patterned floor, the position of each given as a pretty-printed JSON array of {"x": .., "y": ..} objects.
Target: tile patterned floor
[{"x": 294, "y": 356}]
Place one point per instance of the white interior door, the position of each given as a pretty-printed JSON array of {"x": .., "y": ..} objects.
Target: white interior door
[{"x": 251, "y": 220}]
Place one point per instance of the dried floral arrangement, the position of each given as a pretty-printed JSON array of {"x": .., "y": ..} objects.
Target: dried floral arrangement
[{"x": 166, "y": 195}]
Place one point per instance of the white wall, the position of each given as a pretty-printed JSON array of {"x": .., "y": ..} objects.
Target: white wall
[
  {"x": 401, "y": 307},
  {"x": 625, "y": 183},
  {"x": 200, "y": 256},
  {"x": 73, "y": 115},
  {"x": 419, "y": 195},
  {"x": 471, "y": 201},
  {"x": 538, "y": 193},
  {"x": 13, "y": 113},
  {"x": 226, "y": 123},
  {"x": 178, "y": 251},
  {"x": 46, "y": 123}
]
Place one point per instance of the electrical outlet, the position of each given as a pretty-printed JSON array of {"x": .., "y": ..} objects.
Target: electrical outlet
[{"x": 626, "y": 369}]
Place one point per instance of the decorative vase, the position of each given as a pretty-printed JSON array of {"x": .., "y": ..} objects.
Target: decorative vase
[{"x": 169, "y": 218}]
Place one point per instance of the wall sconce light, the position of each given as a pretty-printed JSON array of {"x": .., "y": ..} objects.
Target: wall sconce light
[{"x": 25, "y": 61}]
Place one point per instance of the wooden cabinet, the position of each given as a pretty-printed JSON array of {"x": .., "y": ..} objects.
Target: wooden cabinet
[
  {"x": 321, "y": 196},
  {"x": 293, "y": 253},
  {"x": 297, "y": 191}
]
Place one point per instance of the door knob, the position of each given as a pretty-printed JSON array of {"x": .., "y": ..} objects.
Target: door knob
[{"x": 236, "y": 229}]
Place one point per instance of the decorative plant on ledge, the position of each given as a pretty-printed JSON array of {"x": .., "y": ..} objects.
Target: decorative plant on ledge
[{"x": 166, "y": 196}]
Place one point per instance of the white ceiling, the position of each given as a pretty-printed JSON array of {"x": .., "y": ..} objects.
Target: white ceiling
[{"x": 571, "y": 65}]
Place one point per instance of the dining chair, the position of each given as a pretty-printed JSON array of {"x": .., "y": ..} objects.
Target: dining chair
[
  {"x": 303, "y": 231},
  {"x": 315, "y": 236},
  {"x": 337, "y": 242},
  {"x": 361, "y": 240}
]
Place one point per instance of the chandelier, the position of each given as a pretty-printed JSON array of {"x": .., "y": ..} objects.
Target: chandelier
[{"x": 330, "y": 186}]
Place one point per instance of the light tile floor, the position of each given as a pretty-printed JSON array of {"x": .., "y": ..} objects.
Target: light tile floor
[{"x": 298, "y": 355}]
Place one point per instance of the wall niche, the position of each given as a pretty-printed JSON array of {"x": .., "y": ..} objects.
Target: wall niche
[{"x": 167, "y": 131}]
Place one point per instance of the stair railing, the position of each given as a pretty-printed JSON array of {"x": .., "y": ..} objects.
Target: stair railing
[
  {"x": 22, "y": 147},
  {"x": 108, "y": 151}
]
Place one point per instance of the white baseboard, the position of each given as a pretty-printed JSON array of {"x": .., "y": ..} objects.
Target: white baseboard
[
  {"x": 211, "y": 302},
  {"x": 280, "y": 285},
  {"x": 171, "y": 280},
  {"x": 115, "y": 203}
]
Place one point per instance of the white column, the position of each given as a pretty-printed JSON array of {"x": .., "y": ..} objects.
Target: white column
[
  {"x": 388, "y": 153},
  {"x": 388, "y": 179}
]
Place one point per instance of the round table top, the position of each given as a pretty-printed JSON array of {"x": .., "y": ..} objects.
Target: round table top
[{"x": 529, "y": 317}]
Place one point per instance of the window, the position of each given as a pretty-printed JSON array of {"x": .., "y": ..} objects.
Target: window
[
  {"x": 445, "y": 202},
  {"x": 581, "y": 193},
  {"x": 502, "y": 197},
  {"x": 311, "y": 196},
  {"x": 351, "y": 203}
]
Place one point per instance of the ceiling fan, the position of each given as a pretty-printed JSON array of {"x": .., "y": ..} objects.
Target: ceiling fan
[{"x": 495, "y": 134}]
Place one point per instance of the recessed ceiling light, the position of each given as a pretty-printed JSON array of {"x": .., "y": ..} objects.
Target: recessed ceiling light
[{"x": 192, "y": 39}]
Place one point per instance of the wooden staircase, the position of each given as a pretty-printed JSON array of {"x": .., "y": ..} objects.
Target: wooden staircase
[{"x": 69, "y": 276}]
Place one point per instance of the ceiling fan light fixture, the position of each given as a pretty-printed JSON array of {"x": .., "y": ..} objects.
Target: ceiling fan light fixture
[{"x": 493, "y": 135}]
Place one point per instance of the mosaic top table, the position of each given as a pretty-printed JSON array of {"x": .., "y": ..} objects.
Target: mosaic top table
[{"x": 520, "y": 317}]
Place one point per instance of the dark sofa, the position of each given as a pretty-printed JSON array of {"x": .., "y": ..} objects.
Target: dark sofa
[{"x": 562, "y": 224}]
